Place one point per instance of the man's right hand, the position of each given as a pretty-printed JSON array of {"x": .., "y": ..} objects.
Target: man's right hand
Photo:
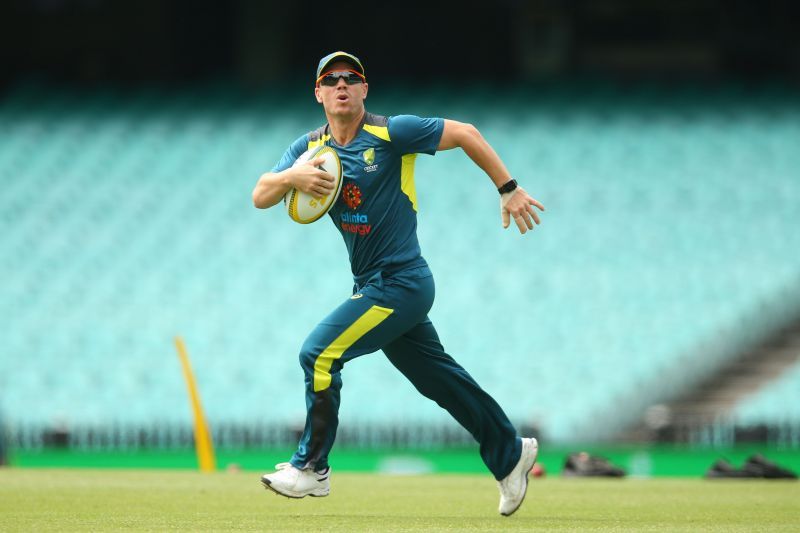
[{"x": 312, "y": 180}]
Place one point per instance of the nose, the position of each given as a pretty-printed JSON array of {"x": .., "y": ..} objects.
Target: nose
[{"x": 341, "y": 83}]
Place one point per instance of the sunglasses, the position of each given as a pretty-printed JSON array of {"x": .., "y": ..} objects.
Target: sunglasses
[{"x": 331, "y": 78}]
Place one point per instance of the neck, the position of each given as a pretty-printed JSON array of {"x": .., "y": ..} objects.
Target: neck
[{"x": 345, "y": 128}]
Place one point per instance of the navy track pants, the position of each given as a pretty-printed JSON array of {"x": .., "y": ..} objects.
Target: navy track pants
[{"x": 389, "y": 313}]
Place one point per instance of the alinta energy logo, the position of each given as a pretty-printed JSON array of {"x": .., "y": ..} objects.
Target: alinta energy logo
[{"x": 356, "y": 222}]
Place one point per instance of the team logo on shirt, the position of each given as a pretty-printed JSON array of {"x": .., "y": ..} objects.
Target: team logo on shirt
[
  {"x": 352, "y": 195},
  {"x": 369, "y": 159},
  {"x": 369, "y": 156}
]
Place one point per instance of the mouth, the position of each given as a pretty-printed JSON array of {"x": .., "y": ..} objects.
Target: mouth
[{"x": 342, "y": 97}]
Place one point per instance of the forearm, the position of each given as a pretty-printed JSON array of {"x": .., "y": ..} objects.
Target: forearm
[
  {"x": 271, "y": 188},
  {"x": 516, "y": 204},
  {"x": 469, "y": 139},
  {"x": 486, "y": 158}
]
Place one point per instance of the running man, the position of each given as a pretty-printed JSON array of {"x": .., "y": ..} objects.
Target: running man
[{"x": 394, "y": 290}]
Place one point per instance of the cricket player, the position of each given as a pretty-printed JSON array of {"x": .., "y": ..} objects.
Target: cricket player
[{"x": 376, "y": 214}]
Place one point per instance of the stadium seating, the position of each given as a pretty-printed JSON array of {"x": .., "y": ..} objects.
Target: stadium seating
[
  {"x": 670, "y": 237},
  {"x": 774, "y": 405}
]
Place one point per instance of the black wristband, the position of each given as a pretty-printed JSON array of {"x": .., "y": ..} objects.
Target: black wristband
[{"x": 508, "y": 186}]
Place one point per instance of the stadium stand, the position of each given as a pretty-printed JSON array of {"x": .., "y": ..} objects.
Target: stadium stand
[
  {"x": 670, "y": 237},
  {"x": 774, "y": 405}
]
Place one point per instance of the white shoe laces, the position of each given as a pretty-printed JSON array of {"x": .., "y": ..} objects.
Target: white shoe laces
[{"x": 283, "y": 466}]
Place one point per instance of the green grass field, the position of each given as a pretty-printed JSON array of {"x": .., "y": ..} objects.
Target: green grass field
[{"x": 81, "y": 499}]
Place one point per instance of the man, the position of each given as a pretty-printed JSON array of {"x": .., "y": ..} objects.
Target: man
[{"x": 394, "y": 289}]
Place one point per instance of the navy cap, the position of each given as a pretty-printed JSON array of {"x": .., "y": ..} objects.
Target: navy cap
[{"x": 339, "y": 56}]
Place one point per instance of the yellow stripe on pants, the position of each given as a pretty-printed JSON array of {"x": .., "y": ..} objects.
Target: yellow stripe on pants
[{"x": 322, "y": 366}]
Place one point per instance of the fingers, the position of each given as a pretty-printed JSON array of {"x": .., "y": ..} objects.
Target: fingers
[
  {"x": 521, "y": 224},
  {"x": 325, "y": 181},
  {"x": 523, "y": 221},
  {"x": 520, "y": 207},
  {"x": 319, "y": 191},
  {"x": 535, "y": 202},
  {"x": 326, "y": 177},
  {"x": 319, "y": 172},
  {"x": 524, "y": 216},
  {"x": 533, "y": 214},
  {"x": 521, "y": 218},
  {"x": 322, "y": 183},
  {"x": 318, "y": 184},
  {"x": 528, "y": 221}
]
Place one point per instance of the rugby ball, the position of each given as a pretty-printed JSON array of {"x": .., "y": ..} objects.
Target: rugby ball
[{"x": 303, "y": 207}]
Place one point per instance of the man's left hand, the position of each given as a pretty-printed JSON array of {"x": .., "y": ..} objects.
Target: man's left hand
[{"x": 519, "y": 205}]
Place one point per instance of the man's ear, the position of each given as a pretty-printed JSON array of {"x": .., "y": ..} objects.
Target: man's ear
[
  {"x": 365, "y": 89},
  {"x": 316, "y": 94}
]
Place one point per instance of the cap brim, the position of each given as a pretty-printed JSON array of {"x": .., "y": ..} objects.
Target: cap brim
[{"x": 341, "y": 57}]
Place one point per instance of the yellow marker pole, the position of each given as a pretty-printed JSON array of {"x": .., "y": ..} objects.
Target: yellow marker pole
[{"x": 202, "y": 436}]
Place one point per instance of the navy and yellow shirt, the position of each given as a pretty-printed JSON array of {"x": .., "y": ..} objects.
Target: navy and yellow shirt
[{"x": 376, "y": 212}]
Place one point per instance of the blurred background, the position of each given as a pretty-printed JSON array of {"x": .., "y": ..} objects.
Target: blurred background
[{"x": 657, "y": 308}]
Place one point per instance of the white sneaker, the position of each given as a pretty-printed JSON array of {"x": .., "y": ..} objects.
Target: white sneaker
[
  {"x": 295, "y": 483},
  {"x": 514, "y": 486}
]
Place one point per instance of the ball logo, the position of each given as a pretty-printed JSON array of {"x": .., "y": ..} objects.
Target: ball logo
[{"x": 352, "y": 195}]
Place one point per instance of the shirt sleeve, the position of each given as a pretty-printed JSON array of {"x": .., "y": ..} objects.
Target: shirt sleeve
[
  {"x": 291, "y": 154},
  {"x": 414, "y": 135}
]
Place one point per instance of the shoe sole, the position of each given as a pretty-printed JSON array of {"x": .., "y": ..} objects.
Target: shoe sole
[
  {"x": 527, "y": 472},
  {"x": 269, "y": 486}
]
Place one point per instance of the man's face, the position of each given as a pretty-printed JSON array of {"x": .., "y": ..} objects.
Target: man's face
[{"x": 341, "y": 99}]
